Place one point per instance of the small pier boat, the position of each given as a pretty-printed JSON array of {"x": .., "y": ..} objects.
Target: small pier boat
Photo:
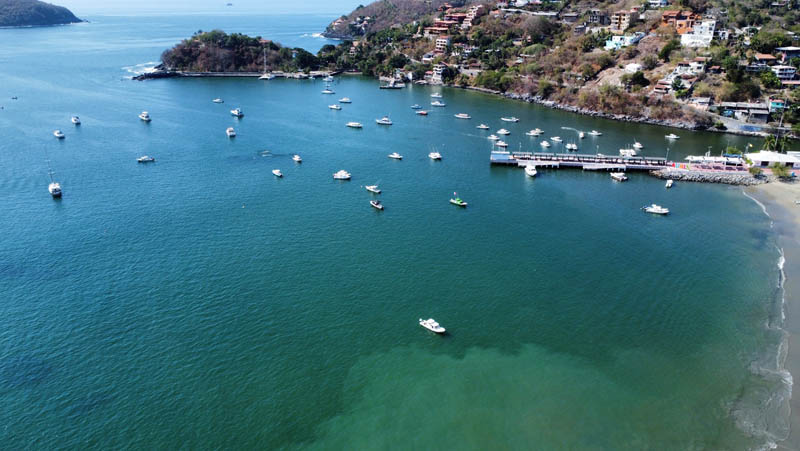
[
  {"x": 669, "y": 183},
  {"x": 145, "y": 116},
  {"x": 373, "y": 189},
  {"x": 438, "y": 103},
  {"x": 509, "y": 119},
  {"x": 76, "y": 120},
  {"x": 619, "y": 176},
  {"x": 218, "y": 100},
  {"x": 58, "y": 134},
  {"x": 672, "y": 136},
  {"x": 422, "y": 113},
  {"x": 230, "y": 132},
  {"x": 145, "y": 159},
  {"x": 376, "y": 204},
  {"x": 530, "y": 171},
  {"x": 435, "y": 156},
  {"x": 503, "y": 131},
  {"x": 345, "y": 100},
  {"x": 655, "y": 209},
  {"x": 493, "y": 137},
  {"x": 483, "y": 127},
  {"x": 595, "y": 133},
  {"x": 501, "y": 143},
  {"x": 383, "y": 121},
  {"x": 354, "y": 124},
  {"x": 334, "y": 107},
  {"x": 277, "y": 173},
  {"x": 395, "y": 156},
  {"x": 457, "y": 201},
  {"x": 341, "y": 175},
  {"x": 581, "y": 135},
  {"x": 431, "y": 325},
  {"x": 572, "y": 146},
  {"x": 463, "y": 116},
  {"x": 628, "y": 152},
  {"x": 237, "y": 112},
  {"x": 266, "y": 76}
]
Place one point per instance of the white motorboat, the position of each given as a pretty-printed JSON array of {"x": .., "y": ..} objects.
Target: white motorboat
[
  {"x": 438, "y": 103},
  {"x": 334, "y": 107},
  {"x": 230, "y": 132},
  {"x": 669, "y": 183},
  {"x": 277, "y": 173},
  {"x": 416, "y": 106},
  {"x": 655, "y": 209},
  {"x": 463, "y": 116},
  {"x": 383, "y": 121},
  {"x": 297, "y": 158},
  {"x": 345, "y": 100},
  {"x": 581, "y": 135},
  {"x": 218, "y": 100},
  {"x": 58, "y": 134},
  {"x": 354, "y": 124},
  {"x": 422, "y": 113},
  {"x": 436, "y": 95},
  {"x": 483, "y": 127},
  {"x": 145, "y": 159},
  {"x": 145, "y": 116},
  {"x": 637, "y": 145},
  {"x": 493, "y": 137},
  {"x": 595, "y": 133},
  {"x": 545, "y": 144},
  {"x": 341, "y": 175},
  {"x": 376, "y": 204},
  {"x": 266, "y": 76},
  {"x": 509, "y": 119},
  {"x": 328, "y": 91},
  {"x": 435, "y": 156},
  {"x": 237, "y": 112},
  {"x": 395, "y": 156},
  {"x": 628, "y": 152},
  {"x": 619, "y": 176},
  {"x": 571, "y": 146},
  {"x": 535, "y": 132},
  {"x": 431, "y": 325},
  {"x": 501, "y": 143},
  {"x": 373, "y": 189},
  {"x": 556, "y": 139},
  {"x": 503, "y": 131},
  {"x": 672, "y": 136},
  {"x": 530, "y": 171},
  {"x": 457, "y": 201},
  {"x": 76, "y": 120}
]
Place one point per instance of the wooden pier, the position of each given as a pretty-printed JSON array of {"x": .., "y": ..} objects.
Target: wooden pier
[{"x": 598, "y": 162}]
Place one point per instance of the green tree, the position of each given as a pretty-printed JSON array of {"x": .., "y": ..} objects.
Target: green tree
[
  {"x": 668, "y": 48},
  {"x": 677, "y": 84},
  {"x": 770, "y": 80},
  {"x": 779, "y": 170}
]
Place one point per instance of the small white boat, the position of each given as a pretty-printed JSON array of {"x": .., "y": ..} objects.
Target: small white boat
[
  {"x": 145, "y": 159},
  {"x": 431, "y": 325},
  {"x": 76, "y": 120},
  {"x": 438, "y": 103},
  {"x": 655, "y": 209},
  {"x": 457, "y": 201},
  {"x": 556, "y": 139},
  {"x": 436, "y": 95},
  {"x": 637, "y": 145},
  {"x": 509, "y": 119},
  {"x": 297, "y": 158},
  {"x": 545, "y": 144},
  {"x": 230, "y": 132},
  {"x": 354, "y": 124},
  {"x": 595, "y": 133},
  {"x": 218, "y": 100},
  {"x": 55, "y": 189},
  {"x": 503, "y": 131},
  {"x": 422, "y": 113},
  {"x": 334, "y": 107},
  {"x": 376, "y": 204},
  {"x": 572, "y": 146},
  {"x": 373, "y": 189},
  {"x": 669, "y": 183},
  {"x": 416, "y": 106},
  {"x": 463, "y": 116},
  {"x": 483, "y": 127},
  {"x": 581, "y": 135},
  {"x": 435, "y": 156},
  {"x": 277, "y": 173},
  {"x": 535, "y": 132},
  {"x": 530, "y": 171},
  {"x": 266, "y": 76},
  {"x": 493, "y": 137},
  {"x": 58, "y": 134},
  {"x": 328, "y": 91},
  {"x": 396, "y": 156},
  {"x": 628, "y": 152},
  {"x": 619, "y": 176},
  {"x": 383, "y": 121},
  {"x": 145, "y": 116},
  {"x": 672, "y": 136},
  {"x": 341, "y": 175},
  {"x": 345, "y": 100},
  {"x": 501, "y": 143},
  {"x": 237, "y": 112}
]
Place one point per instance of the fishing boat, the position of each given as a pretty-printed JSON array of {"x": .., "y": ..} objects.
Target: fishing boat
[
  {"x": 655, "y": 209},
  {"x": 431, "y": 325},
  {"x": 556, "y": 139},
  {"x": 237, "y": 112},
  {"x": 501, "y": 143},
  {"x": 76, "y": 120},
  {"x": 619, "y": 176},
  {"x": 383, "y": 121},
  {"x": 334, "y": 107},
  {"x": 345, "y": 100},
  {"x": 377, "y": 204},
  {"x": 628, "y": 152},
  {"x": 595, "y": 133},
  {"x": 530, "y": 171},
  {"x": 354, "y": 124},
  {"x": 672, "y": 136},
  {"x": 373, "y": 189},
  {"x": 503, "y": 131},
  {"x": 218, "y": 100},
  {"x": 277, "y": 173},
  {"x": 58, "y": 134},
  {"x": 145, "y": 116},
  {"x": 435, "y": 155},
  {"x": 416, "y": 106},
  {"x": 341, "y": 175},
  {"x": 422, "y": 113},
  {"x": 509, "y": 119},
  {"x": 545, "y": 144},
  {"x": 297, "y": 158},
  {"x": 436, "y": 95},
  {"x": 395, "y": 156},
  {"x": 457, "y": 201},
  {"x": 438, "y": 103},
  {"x": 230, "y": 132},
  {"x": 483, "y": 127},
  {"x": 463, "y": 116},
  {"x": 669, "y": 183},
  {"x": 145, "y": 159},
  {"x": 493, "y": 138}
]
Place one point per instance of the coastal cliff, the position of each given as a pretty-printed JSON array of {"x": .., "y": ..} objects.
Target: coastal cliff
[{"x": 28, "y": 13}]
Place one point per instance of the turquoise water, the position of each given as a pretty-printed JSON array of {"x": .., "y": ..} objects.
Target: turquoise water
[{"x": 201, "y": 302}]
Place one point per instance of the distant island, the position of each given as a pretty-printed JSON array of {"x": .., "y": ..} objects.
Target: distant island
[{"x": 29, "y": 13}]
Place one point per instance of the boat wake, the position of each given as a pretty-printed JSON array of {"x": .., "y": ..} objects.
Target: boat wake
[
  {"x": 312, "y": 35},
  {"x": 143, "y": 68}
]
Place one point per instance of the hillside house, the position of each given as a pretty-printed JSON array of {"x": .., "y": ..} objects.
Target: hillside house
[
  {"x": 784, "y": 72},
  {"x": 599, "y": 17},
  {"x": 622, "y": 20},
  {"x": 787, "y": 53},
  {"x": 700, "y": 35}
]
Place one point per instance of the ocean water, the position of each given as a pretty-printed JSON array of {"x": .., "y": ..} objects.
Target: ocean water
[{"x": 200, "y": 302}]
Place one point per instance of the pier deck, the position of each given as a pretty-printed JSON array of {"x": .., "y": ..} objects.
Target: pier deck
[{"x": 586, "y": 162}]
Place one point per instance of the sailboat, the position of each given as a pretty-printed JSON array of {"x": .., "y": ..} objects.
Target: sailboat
[
  {"x": 328, "y": 89},
  {"x": 266, "y": 75},
  {"x": 54, "y": 188}
]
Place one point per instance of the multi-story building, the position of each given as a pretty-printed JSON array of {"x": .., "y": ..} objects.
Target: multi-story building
[
  {"x": 700, "y": 35},
  {"x": 622, "y": 20},
  {"x": 598, "y": 16},
  {"x": 784, "y": 72},
  {"x": 441, "y": 44}
]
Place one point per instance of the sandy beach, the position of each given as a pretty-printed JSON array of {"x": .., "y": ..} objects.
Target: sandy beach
[{"x": 779, "y": 200}]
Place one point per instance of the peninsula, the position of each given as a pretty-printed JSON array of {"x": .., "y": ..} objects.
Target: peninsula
[{"x": 30, "y": 13}]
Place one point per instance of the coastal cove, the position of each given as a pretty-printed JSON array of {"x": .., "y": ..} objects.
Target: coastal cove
[{"x": 199, "y": 301}]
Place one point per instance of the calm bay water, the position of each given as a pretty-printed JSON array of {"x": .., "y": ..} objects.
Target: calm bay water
[{"x": 200, "y": 302}]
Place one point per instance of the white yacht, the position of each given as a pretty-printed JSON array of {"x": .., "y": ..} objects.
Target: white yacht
[
  {"x": 503, "y": 131},
  {"x": 655, "y": 209},
  {"x": 230, "y": 132},
  {"x": 619, "y": 176},
  {"x": 383, "y": 121},
  {"x": 395, "y": 156},
  {"x": 345, "y": 100},
  {"x": 76, "y": 120},
  {"x": 297, "y": 158},
  {"x": 556, "y": 139},
  {"x": 672, "y": 136},
  {"x": 509, "y": 119},
  {"x": 145, "y": 116},
  {"x": 581, "y": 135},
  {"x": 334, "y": 107},
  {"x": 237, "y": 112},
  {"x": 58, "y": 134},
  {"x": 373, "y": 189},
  {"x": 436, "y": 95},
  {"x": 637, "y": 145},
  {"x": 535, "y": 132},
  {"x": 145, "y": 159},
  {"x": 545, "y": 143},
  {"x": 530, "y": 171},
  {"x": 218, "y": 100},
  {"x": 463, "y": 116},
  {"x": 54, "y": 187},
  {"x": 501, "y": 143},
  {"x": 493, "y": 137},
  {"x": 354, "y": 124},
  {"x": 628, "y": 152},
  {"x": 431, "y": 325},
  {"x": 438, "y": 103},
  {"x": 341, "y": 175},
  {"x": 266, "y": 76},
  {"x": 669, "y": 183},
  {"x": 595, "y": 133},
  {"x": 376, "y": 204},
  {"x": 483, "y": 127},
  {"x": 435, "y": 155},
  {"x": 571, "y": 146},
  {"x": 277, "y": 173}
]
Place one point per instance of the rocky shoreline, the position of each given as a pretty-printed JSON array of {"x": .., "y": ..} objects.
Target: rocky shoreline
[{"x": 737, "y": 178}]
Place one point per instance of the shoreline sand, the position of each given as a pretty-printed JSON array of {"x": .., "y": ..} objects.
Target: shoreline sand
[{"x": 778, "y": 199}]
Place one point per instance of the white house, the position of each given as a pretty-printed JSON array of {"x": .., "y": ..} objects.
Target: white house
[
  {"x": 618, "y": 42},
  {"x": 784, "y": 72},
  {"x": 701, "y": 35},
  {"x": 766, "y": 158},
  {"x": 657, "y": 3}
]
